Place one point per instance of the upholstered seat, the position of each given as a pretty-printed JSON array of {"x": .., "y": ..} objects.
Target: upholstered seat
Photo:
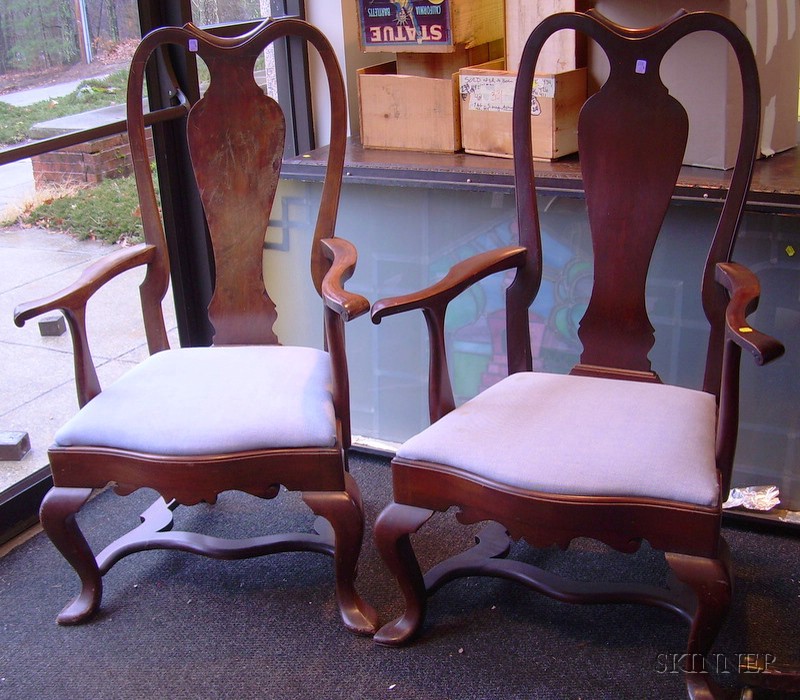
[
  {"x": 584, "y": 436},
  {"x": 240, "y": 398}
]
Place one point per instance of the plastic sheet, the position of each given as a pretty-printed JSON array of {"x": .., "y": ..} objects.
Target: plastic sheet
[{"x": 753, "y": 498}]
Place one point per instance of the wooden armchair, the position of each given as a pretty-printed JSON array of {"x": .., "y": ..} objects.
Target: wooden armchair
[
  {"x": 247, "y": 413},
  {"x": 608, "y": 451}
]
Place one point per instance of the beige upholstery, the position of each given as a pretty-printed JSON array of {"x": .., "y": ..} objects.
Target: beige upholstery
[
  {"x": 240, "y": 398},
  {"x": 581, "y": 435}
]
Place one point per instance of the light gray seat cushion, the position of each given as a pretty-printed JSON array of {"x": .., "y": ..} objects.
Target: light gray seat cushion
[
  {"x": 195, "y": 401},
  {"x": 565, "y": 434}
]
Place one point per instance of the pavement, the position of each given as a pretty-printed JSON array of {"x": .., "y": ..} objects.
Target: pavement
[
  {"x": 16, "y": 184},
  {"x": 16, "y": 179},
  {"x": 28, "y": 97},
  {"x": 37, "y": 390}
]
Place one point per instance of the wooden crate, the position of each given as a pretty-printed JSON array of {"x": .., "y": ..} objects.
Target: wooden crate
[
  {"x": 563, "y": 51},
  {"x": 487, "y": 95},
  {"x": 432, "y": 26},
  {"x": 408, "y": 112},
  {"x": 443, "y": 65}
]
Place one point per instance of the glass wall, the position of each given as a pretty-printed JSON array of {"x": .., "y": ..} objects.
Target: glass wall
[
  {"x": 62, "y": 208},
  {"x": 408, "y": 237}
]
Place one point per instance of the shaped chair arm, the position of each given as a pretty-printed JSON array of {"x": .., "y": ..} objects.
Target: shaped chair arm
[
  {"x": 343, "y": 257},
  {"x": 433, "y": 301},
  {"x": 92, "y": 278},
  {"x": 72, "y": 301},
  {"x": 460, "y": 277},
  {"x": 744, "y": 290}
]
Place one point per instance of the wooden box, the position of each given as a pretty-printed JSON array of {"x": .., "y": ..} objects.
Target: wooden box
[
  {"x": 408, "y": 112},
  {"x": 487, "y": 95},
  {"x": 432, "y": 26},
  {"x": 443, "y": 65},
  {"x": 412, "y": 103},
  {"x": 563, "y": 51}
]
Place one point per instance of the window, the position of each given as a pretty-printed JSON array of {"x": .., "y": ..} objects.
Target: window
[{"x": 94, "y": 36}]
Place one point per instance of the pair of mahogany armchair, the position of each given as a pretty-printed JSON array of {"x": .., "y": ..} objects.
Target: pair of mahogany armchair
[{"x": 607, "y": 451}]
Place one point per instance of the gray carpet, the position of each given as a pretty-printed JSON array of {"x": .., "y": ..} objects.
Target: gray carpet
[{"x": 174, "y": 625}]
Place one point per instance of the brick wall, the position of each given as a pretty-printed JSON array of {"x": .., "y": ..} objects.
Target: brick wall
[{"x": 85, "y": 163}]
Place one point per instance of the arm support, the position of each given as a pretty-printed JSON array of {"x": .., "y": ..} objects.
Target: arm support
[
  {"x": 460, "y": 277},
  {"x": 433, "y": 302},
  {"x": 72, "y": 302},
  {"x": 744, "y": 290},
  {"x": 340, "y": 306},
  {"x": 91, "y": 279}
]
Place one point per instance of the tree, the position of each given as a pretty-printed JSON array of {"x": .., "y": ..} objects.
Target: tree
[
  {"x": 3, "y": 47},
  {"x": 37, "y": 34}
]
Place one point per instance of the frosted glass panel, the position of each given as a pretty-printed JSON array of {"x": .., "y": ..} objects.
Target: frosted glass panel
[{"x": 407, "y": 238}]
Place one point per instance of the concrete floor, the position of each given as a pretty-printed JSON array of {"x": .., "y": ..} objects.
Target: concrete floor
[{"x": 16, "y": 184}]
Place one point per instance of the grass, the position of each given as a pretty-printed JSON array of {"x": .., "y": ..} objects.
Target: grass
[
  {"x": 108, "y": 211},
  {"x": 16, "y": 122}
]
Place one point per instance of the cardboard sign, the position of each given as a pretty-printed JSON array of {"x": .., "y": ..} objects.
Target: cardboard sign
[{"x": 396, "y": 25}]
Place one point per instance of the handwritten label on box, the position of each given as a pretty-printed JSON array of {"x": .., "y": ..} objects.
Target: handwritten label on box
[{"x": 495, "y": 93}]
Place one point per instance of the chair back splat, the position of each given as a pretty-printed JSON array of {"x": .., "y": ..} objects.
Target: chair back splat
[
  {"x": 236, "y": 135},
  {"x": 237, "y": 176},
  {"x": 248, "y": 413},
  {"x": 608, "y": 451},
  {"x": 632, "y": 135}
]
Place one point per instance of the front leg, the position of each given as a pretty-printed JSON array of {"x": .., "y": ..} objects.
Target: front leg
[
  {"x": 711, "y": 582},
  {"x": 57, "y": 515},
  {"x": 343, "y": 510},
  {"x": 392, "y": 530}
]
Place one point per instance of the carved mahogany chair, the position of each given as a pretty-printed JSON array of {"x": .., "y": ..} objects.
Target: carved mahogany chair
[
  {"x": 247, "y": 413},
  {"x": 607, "y": 451}
]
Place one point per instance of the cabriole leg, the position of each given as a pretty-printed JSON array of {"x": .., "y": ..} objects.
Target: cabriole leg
[
  {"x": 711, "y": 582},
  {"x": 57, "y": 515},
  {"x": 342, "y": 509},
  {"x": 392, "y": 530}
]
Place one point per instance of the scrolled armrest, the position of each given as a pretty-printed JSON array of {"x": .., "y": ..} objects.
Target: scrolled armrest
[
  {"x": 92, "y": 278},
  {"x": 744, "y": 290},
  {"x": 343, "y": 257},
  {"x": 460, "y": 276}
]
